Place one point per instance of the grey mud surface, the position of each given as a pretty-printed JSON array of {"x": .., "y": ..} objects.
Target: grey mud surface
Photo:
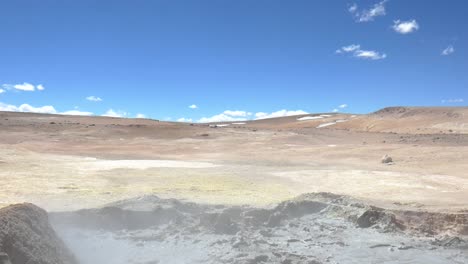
[{"x": 313, "y": 228}]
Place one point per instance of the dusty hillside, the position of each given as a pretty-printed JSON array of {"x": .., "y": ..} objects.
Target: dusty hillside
[
  {"x": 412, "y": 120},
  {"x": 405, "y": 120}
]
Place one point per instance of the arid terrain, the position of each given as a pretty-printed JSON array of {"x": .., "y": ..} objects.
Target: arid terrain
[{"x": 69, "y": 163}]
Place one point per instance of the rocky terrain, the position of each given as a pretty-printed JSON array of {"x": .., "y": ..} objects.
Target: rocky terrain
[
  {"x": 26, "y": 237},
  {"x": 313, "y": 228}
]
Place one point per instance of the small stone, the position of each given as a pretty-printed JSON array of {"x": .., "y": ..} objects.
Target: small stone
[{"x": 387, "y": 159}]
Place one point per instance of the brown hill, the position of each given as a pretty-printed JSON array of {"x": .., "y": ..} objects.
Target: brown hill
[
  {"x": 405, "y": 120},
  {"x": 412, "y": 120}
]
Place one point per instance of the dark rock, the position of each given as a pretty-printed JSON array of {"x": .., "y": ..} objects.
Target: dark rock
[
  {"x": 27, "y": 237},
  {"x": 378, "y": 218}
]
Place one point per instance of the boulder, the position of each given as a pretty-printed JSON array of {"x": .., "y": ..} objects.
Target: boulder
[
  {"x": 26, "y": 237},
  {"x": 387, "y": 159}
]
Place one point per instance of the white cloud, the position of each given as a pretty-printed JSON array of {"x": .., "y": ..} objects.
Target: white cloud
[
  {"x": 140, "y": 116},
  {"x": 237, "y": 113},
  {"x": 194, "y": 106},
  {"x": 343, "y": 106},
  {"x": 1, "y": 91},
  {"x": 280, "y": 113},
  {"x": 227, "y": 116},
  {"x": 23, "y": 87},
  {"x": 8, "y": 108},
  {"x": 112, "y": 113},
  {"x": 447, "y": 51},
  {"x": 93, "y": 98},
  {"x": 47, "y": 109},
  {"x": 220, "y": 118},
  {"x": 370, "y": 54},
  {"x": 77, "y": 113},
  {"x": 369, "y": 14},
  {"x": 451, "y": 101},
  {"x": 335, "y": 110},
  {"x": 360, "y": 53},
  {"x": 185, "y": 120},
  {"x": 405, "y": 27}
]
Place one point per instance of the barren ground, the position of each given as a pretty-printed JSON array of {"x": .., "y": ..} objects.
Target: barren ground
[
  {"x": 156, "y": 192},
  {"x": 66, "y": 163}
]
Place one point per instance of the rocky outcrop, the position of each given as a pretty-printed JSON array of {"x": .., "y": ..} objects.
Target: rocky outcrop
[{"x": 26, "y": 237}]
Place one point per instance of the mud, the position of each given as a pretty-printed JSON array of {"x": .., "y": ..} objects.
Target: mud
[{"x": 313, "y": 228}]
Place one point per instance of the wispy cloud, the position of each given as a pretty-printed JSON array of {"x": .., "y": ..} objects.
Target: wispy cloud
[
  {"x": 27, "y": 87},
  {"x": 452, "y": 101},
  {"x": 194, "y": 106},
  {"x": 405, "y": 27},
  {"x": 112, "y": 113},
  {"x": 140, "y": 116},
  {"x": 369, "y": 14},
  {"x": 357, "y": 52},
  {"x": 353, "y": 8},
  {"x": 1, "y": 91},
  {"x": 447, "y": 51},
  {"x": 339, "y": 108},
  {"x": 93, "y": 98}
]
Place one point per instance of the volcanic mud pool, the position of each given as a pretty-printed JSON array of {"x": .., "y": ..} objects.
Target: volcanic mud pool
[{"x": 313, "y": 228}]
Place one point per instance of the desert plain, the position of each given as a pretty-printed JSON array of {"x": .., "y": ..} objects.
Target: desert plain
[{"x": 69, "y": 163}]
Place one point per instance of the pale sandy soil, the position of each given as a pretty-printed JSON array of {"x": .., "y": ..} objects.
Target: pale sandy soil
[{"x": 66, "y": 163}]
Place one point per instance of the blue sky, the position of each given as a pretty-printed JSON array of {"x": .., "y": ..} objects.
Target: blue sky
[{"x": 249, "y": 58}]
